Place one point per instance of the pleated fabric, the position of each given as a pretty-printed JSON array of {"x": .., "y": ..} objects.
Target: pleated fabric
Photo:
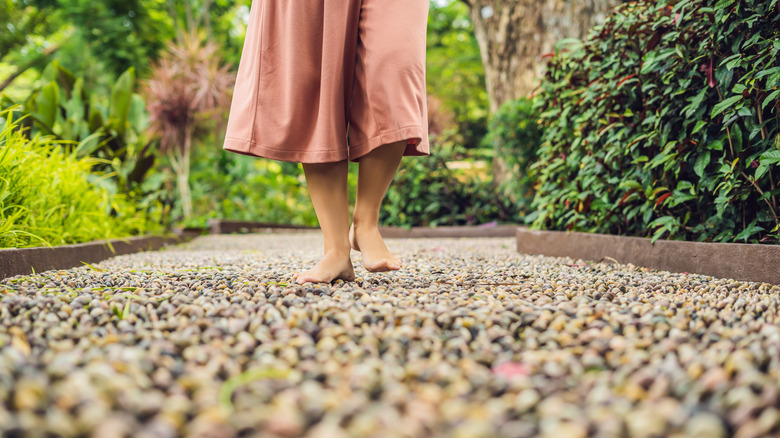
[{"x": 328, "y": 80}]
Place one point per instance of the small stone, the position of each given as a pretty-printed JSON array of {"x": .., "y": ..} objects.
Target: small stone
[
  {"x": 472, "y": 339},
  {"x": 705, "y": 425}
]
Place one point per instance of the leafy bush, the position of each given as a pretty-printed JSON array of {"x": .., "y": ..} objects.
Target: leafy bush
[
  {"x": 237, "y": 187},
  {"x": 111, "y": 129},
  {"x": 515, "y": 137},
  {"x": 664, "y": 123},
  {"x": 118, "y": 33},
  {"x": 456, "y": 77},
  {"x": 428, "y": 191},
  {"x": 425, "y": 192},
  {"x": 48, "y": 196}
]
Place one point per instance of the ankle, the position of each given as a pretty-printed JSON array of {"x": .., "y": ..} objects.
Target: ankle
[
  {"x": 364, "y": 223},
  {"x": 338, "y": 250}
]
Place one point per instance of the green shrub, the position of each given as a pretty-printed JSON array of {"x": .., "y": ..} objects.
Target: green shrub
[
  {"x": 110, "y": 128},
  {"x": 49, "y": 197},
  {"x": 237, "y": 187},
  {"x": 664, "y": 123},
  {"x": 456, "y": 76},
  {"x": 515, "y": 137},
  {"x": 427, "y": 191}
]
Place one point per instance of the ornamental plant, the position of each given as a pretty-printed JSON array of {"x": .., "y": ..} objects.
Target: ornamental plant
[
  {"x": 188, "y": 94},
  {"x": 240, "y": 187},
  {"x": 515, "y": 138},
  {"x": 107, "y": 127},
  {"x": 50, "y": 196},
  {"x": 434, "y": 192},
  {"x": 664, "y": 123}
]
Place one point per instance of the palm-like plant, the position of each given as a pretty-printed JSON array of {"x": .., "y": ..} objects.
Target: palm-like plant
[{"x": 188, "y": 88}]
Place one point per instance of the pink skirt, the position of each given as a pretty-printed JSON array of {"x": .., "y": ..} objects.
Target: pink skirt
[{"x": 330, "y": 80}]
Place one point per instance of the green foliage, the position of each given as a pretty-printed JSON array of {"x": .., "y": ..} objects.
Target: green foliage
[
  {"x": 96, "y": 40},
  {"x": 101, "y": 40},
  {"x": 20, "y": 19},
  {"x": 23, "y": 49},
  {"x": 49, "y": 197},
  {"x": 223, "y": 20},
  {"x": 430, "y": 191},
  {"x": 188, "y": 93},
  {"x": 455, "y": 73},
  {"x": 120, "y": 33},
  {"x": 108, "y": 129},
  {"x": 237, "y": 187},
  {"x": 664, "y": 123},
  {"x": 515, "y": 137}
]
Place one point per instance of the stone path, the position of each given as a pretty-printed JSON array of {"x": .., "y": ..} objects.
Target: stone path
[{"x": 471, "y": 339}]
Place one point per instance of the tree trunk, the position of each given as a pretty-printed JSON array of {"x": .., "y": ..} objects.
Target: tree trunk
[
  {"x": 206, "y": 14},
  {"x": 514, "y": 34},
  {"x": 184, "y": 176},
  {"x": 180, "y": 161}
]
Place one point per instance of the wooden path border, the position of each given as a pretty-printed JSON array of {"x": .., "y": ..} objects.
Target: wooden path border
[
  {"x": 745, "y": 262},
  {"x": 219, "y": 226},
  {"x": 22, "y": 261}
]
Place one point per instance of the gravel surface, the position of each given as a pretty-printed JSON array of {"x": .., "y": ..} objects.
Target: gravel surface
[{"x": 470, "y": 339}]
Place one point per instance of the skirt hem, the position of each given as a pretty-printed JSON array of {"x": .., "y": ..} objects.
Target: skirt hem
[
  {"x": 420, "y": 148},
  {"x": 245, "y": 147}
]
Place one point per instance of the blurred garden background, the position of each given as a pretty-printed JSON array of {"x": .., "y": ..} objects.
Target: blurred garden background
[{"x": 657, "y": 119}]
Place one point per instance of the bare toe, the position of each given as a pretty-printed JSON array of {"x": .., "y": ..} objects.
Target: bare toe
[
  {"x": 376, "y": 256},
  {"x": 383, "y": 265},
  {"x": 333, "y": 266}
]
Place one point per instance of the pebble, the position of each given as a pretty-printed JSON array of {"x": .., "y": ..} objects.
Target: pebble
[
  {"x": 471, "y": 339},
  {"x": 705, "y": 425}
]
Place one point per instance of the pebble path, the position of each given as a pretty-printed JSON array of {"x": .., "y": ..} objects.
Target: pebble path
[{"x": 470, "y": 339}]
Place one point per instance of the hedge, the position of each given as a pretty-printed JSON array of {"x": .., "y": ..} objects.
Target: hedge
[
  {"x": 515, "y": 138},
  {"x": 664, "y": 123}
]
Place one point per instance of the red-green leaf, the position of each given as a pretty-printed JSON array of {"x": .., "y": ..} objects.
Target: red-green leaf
[{"x": 662, "y": 199}]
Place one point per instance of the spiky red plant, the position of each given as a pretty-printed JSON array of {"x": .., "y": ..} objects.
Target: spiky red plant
[{"x": 189, "y": 87}]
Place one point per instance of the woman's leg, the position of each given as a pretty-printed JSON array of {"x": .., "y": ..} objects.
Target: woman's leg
[
  {"x": 376, "y": 172},
  {"x": 327, "y": 184}
]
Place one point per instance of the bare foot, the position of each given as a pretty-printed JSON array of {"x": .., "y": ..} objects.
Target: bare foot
[
  {"x": 333, "y": 266},
  {"x": 376, "y": 256}
]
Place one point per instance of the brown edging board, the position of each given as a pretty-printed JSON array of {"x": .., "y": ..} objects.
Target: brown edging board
[
  {"x": 220, "y": 226},
  {"x": 744, "y": 262},
  {"x": 22, "y": 261},
  {"x": 443, "y": 232}
]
